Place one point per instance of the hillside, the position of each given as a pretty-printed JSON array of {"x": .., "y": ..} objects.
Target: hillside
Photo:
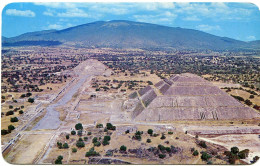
[{"x": 128, "y": 34}]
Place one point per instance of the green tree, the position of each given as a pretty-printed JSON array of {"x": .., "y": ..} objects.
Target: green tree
[
  {"x": 123, "y": 148},
  {"x": 67, "y": 136},
  {"x": 162, "y": 156},
  {"x": 28, "y": 94},
  {"x": 163, "y": 136},
  {"x": 107, "y": 138},
  {"x": 79, "y": 126},
  {"x": 31, "y": 100},
  {"x": 73, "y": 132},
  {"x": 21, "y": 112},
  {"x": 105, "y": 142},
  {"x": 97, "y": 144},
  {"x": 150, "y": 131},
  {"x": 148, "y": 140},
  {"x": 99, "y": 126},
  {"x": 14, "y": 119},
  {"x": 205, "y": 156},
  {"x": 234, "y": 150},
  {"x": 59, "y": 144},
  {"x": 195, "y": 153},
  {"x": 161, "y": 147},
  {"x": 74, "y": 150},
  {"x": 11, "y": 127},
  {"x": 79, "y": 132},
  {"x": 65, "y": 146},
  {"x": 9, "y": 113},
  {"x": 4, "y": 132},
  {"x": 59, "y": 160},
  {"x": 94, "y": 140},
  {"x": 80, "y": 144},
  {"x": 109, "y": 126},
  {"x": 203, "y": 144}
]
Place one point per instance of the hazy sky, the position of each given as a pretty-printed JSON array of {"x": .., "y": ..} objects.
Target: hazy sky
[{"x": 235, "y": 20}]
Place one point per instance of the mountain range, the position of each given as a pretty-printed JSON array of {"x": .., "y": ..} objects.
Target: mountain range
[{"x": 129, "y": 34}]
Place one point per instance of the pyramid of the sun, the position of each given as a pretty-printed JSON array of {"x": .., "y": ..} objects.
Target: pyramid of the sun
[{"x": 186, "y": 97}]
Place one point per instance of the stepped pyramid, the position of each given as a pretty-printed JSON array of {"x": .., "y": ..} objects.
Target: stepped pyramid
[{"x": 185, "y": 97}]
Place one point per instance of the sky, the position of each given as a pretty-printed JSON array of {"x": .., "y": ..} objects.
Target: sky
[{"x": 239, "y": 21}]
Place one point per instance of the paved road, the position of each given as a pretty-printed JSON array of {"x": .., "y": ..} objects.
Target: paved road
[{"x": 51, "y": 119}]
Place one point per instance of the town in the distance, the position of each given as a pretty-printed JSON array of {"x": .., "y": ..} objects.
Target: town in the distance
[{"x": 128, "y": 92}]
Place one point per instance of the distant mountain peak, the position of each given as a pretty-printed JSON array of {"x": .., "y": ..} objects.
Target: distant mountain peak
[{"x": 131, "y": 34}]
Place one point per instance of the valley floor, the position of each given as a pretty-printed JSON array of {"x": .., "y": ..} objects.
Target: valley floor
[{"x": 171, "y": 142}]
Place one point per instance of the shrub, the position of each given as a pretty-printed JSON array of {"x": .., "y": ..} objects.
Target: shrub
[
  {"x": 14, "y": 119},
  {"x": 205, "y": 156},
  {"x": 65, "y": 146},
  {"x": 234, "y": 150},
  {"x": 21, "y": 112},
  {"x": 28, "y": 94},
  {"x": 74, "y": 150},
  {"x": 170, "y": 132},
  {"x": 251, "y": 96},
  {"x": 127, "y": 131},
  {"x": 109, "y": 126},
  {"x": 137, "y": 136},
  {"x": 73, "y": 132},
  {"x": 59, "y": 160},
  {"x": 99, "y": 126},
  {"x": 243, "y": 154},
  {"x": 148, "y": 141},
  {"x": 79, "y": 126},
  {"x": 232, "y": 158},
  {"x": 123, "y": 148},
  {"x": 107, "y": 138},
  {"x": 168, "y": 149},
  {"x": 4, "y": 132},
  {"x": 79, "y": 132},
  {"x": 94, "y": 140},
  {"x": 255, "y": 159},
  {"x": 85, "y": 138},
  {"x": 89, "y": 133},
  {"x": 97, "y": 144},
  {"x": 150, "y": 131},
  {"x": 80, "y": 144},
  {"x": 23, "y": 96},
  {"x": 31, "y": 100},
  {"x": 11, "y": 107},
  {"x": 59, "y": 144},
  {"x": 91, "y": 152},
  {"x": 162, "y": 156},
  {"x": 9, "y": 113},
  {"x": 203, "y": 144},
  {"x": 195, "y": 153},
  {"x": 22, "y": 106},
  {"x": 11, "y": 127},
  {"x": 105, "y": 142},
  {"x": 80, "y": 139},
  {"x": 161, "y": 147},
  {"x": 248, "y": 102},
  {"x": 67, "y": 136},
  {"x": 155, "y": 135},
  {"x": 163, "y": 136}
]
